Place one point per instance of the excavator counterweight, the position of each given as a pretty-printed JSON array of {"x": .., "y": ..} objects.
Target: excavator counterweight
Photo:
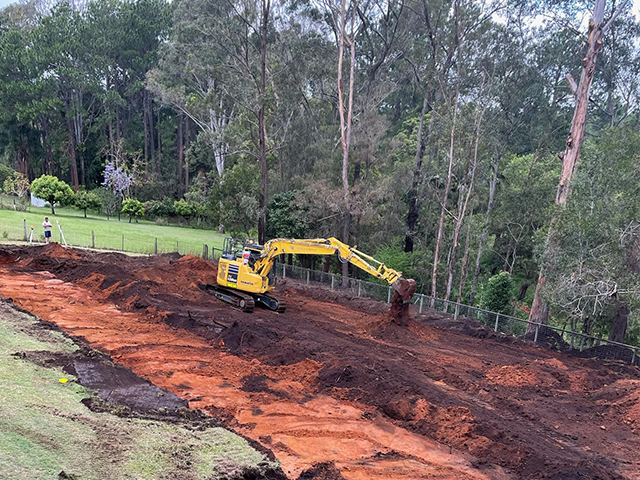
[{"x": 246, "y": 274}]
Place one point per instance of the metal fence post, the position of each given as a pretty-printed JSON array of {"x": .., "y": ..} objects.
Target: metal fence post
[
  {"x": 535, "y": 337},
  {"x": 24, "y": 224},
  {"x": 389, "y": 296},
  {"x": 177, "y": 247},
  {"x": 633, "y": 357},
  {"x": 421, "y": 300},
  {"x": 155, "y": 248},
  {"x": 333, "y": 279},
  {"x": 123, "y": 242},
  {"x": 359, "y": 287},
  {"x": 455, "y": 313},
  {"x": 284, "y": 271},
  {"x": 495, "y": 327},
  {"x": 93, "y": 239},
  {"x": 308, "y": 277}
]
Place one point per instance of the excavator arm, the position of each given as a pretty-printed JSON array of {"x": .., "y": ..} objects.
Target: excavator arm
[{"x": 322, "y": 246}]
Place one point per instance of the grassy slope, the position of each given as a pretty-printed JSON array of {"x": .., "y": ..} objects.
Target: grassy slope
[
  {"x": 139, "y": 237},
  {"x": 44, "y": 429}
]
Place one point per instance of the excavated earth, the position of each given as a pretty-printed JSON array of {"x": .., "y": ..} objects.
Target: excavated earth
[{"x": 334, "y": 388}]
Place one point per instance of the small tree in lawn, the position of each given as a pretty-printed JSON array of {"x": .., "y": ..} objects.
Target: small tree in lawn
[
  {"x": 118, "y": 180},
  {"x": 108, "y": 200},
  {"x": 17, "y": 184},
  {"x": 87, "y": 201},
  {"x": 52, "y": 190},
  {"x": 134, "y": 208}
]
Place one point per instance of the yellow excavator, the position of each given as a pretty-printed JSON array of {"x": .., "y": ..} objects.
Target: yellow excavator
[{"x": 246, "y": 273}]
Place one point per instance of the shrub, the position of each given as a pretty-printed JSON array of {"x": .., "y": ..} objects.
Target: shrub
[
  {"x": 185, "y": 209},
  {"x": 87, "y": 200},
  {"x": 5, "y": 172},
  {"x": 159, "y": 208},
  {"x": 498, "y": 293},
  {"x": 134, "y": 208}
]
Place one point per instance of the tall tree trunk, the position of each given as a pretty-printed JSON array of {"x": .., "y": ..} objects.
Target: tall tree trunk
[
  {"x": 180, "y": 148},
  {"x": 485, "y": 230},
  {"x": 412, "y": 217},
  {"x": 345, "y": 124},
  {"x": 620, "y": 322},
  {"x": 49, "y": 160},
  {"x": 72, "y": 143},
  {"x": 262, "y": 142},
  {"x": 152, "y": 153},
  {"x": 465, "y": 264},
  {"x": 187, "y": 142},
  {"x": 159, "y": 137},
  {"x": 462, "y": 212},
  {"x": 146, "y": 131},
  {"x": 443, "y": 209},
  {"x": 540, "y": 310}
]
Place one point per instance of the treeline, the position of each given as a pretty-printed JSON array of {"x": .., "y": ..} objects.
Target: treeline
[{"x": 439, "y": 148}]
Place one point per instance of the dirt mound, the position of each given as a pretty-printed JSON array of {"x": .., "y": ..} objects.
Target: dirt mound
[
  {"x": 622, "y": 398},
  {"x": 520, "y": 376}
]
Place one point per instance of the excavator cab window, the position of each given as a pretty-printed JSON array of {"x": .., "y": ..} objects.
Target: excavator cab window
[
  {"x": 254, "y": 250},
  {"x": 232, "y": 249}
]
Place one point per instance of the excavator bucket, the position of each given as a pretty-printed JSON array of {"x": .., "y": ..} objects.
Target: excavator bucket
[{"x": 404, "y": 290}]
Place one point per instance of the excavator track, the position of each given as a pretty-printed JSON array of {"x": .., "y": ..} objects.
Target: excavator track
[
  {"x": 271, "y": 303},
  {"x": 240, "y": 300}
]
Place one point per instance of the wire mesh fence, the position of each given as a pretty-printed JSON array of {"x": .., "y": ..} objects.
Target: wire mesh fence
[{"x": 549, "y": 336}]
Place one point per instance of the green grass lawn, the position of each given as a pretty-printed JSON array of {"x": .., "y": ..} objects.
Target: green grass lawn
[
  {"x": 138, "y": 237},
  {"x": 45, "y": 429}
]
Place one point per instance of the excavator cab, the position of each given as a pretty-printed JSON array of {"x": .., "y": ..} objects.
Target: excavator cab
[{"x": 238, "y": 283}]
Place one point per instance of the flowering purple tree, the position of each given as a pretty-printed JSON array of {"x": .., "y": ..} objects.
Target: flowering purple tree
[{"x": 117, "y": 180}]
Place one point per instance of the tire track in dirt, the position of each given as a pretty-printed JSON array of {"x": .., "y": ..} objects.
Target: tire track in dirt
[{"x": 302, "y": 429}]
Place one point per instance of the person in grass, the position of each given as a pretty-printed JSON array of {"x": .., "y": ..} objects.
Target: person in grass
[{"x": 47, "y": 229}]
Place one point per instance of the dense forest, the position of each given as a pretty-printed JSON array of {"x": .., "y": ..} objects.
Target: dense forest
[{"x": 432, "y": 133}]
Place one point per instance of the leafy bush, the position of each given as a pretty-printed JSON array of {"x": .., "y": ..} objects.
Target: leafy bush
[
  {"x": 185, "y": 209},
  {"x": 52, "y": 190},
  {"x": 159, "y": 208},
  {"x": 134, "y": 208},
  {"x": 498, "y": 293},
  {"x": 87, "y": 201},
  {"x": 286, "y": 218},
  {"x": 394, "y": 257},
  {"x": 5, "y": 172}
]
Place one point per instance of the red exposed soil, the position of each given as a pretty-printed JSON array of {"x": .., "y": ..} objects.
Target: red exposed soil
[{"x": 333, "y": 380}]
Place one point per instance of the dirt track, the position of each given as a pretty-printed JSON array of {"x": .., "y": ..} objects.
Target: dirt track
[{"x": 332, "y": 380}]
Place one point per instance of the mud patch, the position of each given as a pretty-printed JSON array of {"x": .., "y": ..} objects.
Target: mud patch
[{"x": 116, "y": 384}]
